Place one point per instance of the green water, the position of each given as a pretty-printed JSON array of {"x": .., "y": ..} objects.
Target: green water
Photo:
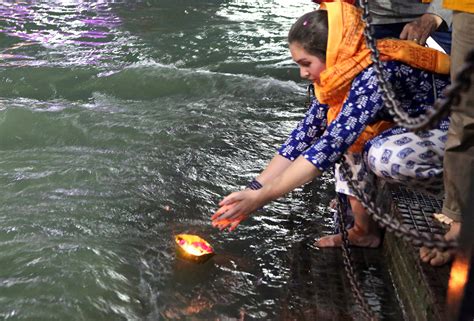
[{"x": 124, "y": 123}]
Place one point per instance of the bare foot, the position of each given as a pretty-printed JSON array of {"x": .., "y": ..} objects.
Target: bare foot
[
  {"x": 356, "y": 238},
  {"x": 437, "y": 257}
]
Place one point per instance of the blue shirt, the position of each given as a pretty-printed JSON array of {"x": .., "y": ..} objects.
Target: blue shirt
[{"x": 323, "y": 145}]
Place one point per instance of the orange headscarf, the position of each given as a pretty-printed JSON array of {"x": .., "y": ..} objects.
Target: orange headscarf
[{"x": 347, "y": 55}]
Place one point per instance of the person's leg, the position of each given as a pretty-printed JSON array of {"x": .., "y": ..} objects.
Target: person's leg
[
  {"x": 459, "y": 153},
  {"x": 365, "y": 232},
  {"x": 414, "y": 160},
  {"x": 436, "y": 257},
  {"x": 407, "y": 158}
]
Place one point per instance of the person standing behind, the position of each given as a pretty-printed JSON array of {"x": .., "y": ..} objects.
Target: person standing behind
[
  {"x": 412, "y": 20},
  {"x": 459, "y": 153}
]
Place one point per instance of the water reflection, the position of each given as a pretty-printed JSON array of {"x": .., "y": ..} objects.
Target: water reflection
[
  {"x": 51, "y": 26},
  {"x": 139, "y": 118},
  {"x": 78, "y": 32}
]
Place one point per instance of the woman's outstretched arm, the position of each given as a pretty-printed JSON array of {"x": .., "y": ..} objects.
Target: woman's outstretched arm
[
  {"x": 304, "y": 134},
  {"x": 277, "y": 165},
  {"x": 237, "y": 206}
]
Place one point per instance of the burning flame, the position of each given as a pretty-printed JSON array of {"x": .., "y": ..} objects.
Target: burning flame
[
  {"x": 193, "y": 245},
  {"x": 459, "y": 275}
]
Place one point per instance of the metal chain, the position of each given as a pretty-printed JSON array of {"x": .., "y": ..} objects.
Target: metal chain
[
  {"x": 441, "y": 109},
  {"x": 389, "y": 222},
  {"x": 441, "y": 106},
  {"x": 348, "y": 266}
]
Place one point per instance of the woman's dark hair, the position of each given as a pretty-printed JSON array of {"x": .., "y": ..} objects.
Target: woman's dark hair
[{"x": 311, "y": 32}]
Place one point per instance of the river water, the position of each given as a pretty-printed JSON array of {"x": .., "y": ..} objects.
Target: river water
[{"x": 122, "y": 124}]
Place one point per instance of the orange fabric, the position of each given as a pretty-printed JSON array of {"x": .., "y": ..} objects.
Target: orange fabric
[
  {"x": 460, "y": 5},
  {"x": 347, "y": 55}
]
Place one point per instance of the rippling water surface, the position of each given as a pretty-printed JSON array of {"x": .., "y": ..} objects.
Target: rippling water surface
[{"x": 123, "y": 123}]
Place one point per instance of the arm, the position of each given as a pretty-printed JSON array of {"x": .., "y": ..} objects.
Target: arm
[
  {"x": 237, "y": 206},
  {"x": 420, "y": 29},
  {"x": 360, "y": 108},
  {"x": 307, "y": 130},
  {"x": 277, "y": 165}
]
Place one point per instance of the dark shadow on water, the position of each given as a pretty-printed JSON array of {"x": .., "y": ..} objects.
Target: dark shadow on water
[{"x": 318, "y": 288}]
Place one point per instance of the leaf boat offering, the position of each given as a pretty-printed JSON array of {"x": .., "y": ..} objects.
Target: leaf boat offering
[{"x": 193, "y": 247}]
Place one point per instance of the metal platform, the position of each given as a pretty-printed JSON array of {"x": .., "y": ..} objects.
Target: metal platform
[
  {"x": 422, "y": 288},
  {"x": 416, "y": 210}
]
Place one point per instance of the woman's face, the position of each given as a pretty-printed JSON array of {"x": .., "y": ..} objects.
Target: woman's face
[{"x": 310, "y": 65}]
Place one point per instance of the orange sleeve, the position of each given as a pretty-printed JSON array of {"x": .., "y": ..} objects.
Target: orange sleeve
[{"x": 459, "y": 5}]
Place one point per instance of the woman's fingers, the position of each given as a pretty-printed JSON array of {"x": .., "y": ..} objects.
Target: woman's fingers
[
  {"x": 234, "y": 225},
  {"x": 231, "y": 213},
  {"x": 221, "y": 211},
  {"x": 223, "y": 224},
  {"x": 228, "y": 216},
  {"x": 225, "y": 211},
  {"x": 234, "y": 208}
]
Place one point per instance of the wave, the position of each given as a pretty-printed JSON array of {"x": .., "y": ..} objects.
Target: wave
[
  {"x": 23, "y": 128},
  {"x": 141, "y": 81}
]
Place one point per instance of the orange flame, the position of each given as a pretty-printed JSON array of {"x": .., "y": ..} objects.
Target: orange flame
[
  {"x": 459, "y": 275},
  {"x": 193, "y": 245}
]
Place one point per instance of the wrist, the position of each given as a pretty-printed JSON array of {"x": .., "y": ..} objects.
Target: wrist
[
  {"x": 434, "y": 18},
  {"x": 254, "y": 185}
]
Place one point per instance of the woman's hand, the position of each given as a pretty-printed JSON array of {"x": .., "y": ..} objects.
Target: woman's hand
[{"x": 236, "y": 207}]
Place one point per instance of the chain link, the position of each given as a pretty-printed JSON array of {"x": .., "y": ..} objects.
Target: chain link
[
  {"x": 388, "y": 221},
  {"x": 441, "y": 106},
  {"x": 440, "y": 110},
  {"x": 348, "y": 267}
]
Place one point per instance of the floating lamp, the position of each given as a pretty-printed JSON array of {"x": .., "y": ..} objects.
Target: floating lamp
[{"x": 194, "y": 248}]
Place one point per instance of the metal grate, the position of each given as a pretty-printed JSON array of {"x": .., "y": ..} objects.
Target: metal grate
[{"x": 416, "y": 210}]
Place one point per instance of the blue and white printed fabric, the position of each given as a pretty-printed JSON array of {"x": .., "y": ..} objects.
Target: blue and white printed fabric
[
  {"x": 399, "y": 156},
  {"x": 359, "y": 172},
  {"x": 414, "y": 159},
  {"x": 416, "y": 91}
]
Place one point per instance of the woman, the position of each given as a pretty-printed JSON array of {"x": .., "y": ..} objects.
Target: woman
[{"x": 329, "y": 47}]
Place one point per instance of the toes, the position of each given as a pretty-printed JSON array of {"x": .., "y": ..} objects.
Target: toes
[
  {"x": 442, "y": 258},
  {"x": 329, "y": 241},
  {"x": 369, "y": 241},
  {"x": 435, "y": 257},
  {"x": 427, "y": 254}
]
